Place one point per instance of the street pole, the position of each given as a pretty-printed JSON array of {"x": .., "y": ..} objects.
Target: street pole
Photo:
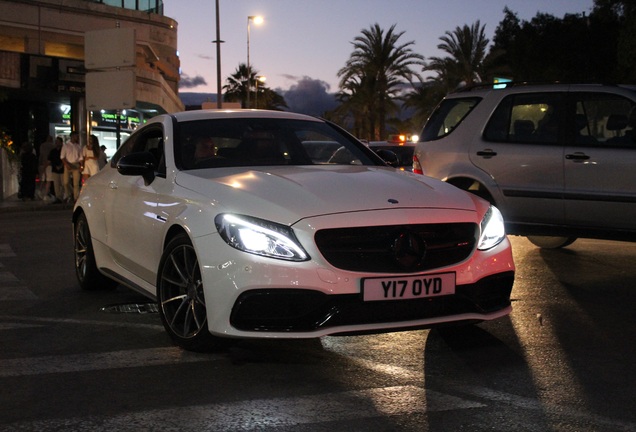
[
  {"x": 249, "y": 84},
  {"x": 257, "y": 20},
  {"x": 218, "y": 41}
]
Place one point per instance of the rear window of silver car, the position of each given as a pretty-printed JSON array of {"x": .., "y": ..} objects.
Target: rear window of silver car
[{"x": 447, "y": 116}]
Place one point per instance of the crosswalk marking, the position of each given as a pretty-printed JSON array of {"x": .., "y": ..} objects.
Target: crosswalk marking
[
  {"x": 263, "y": 413},
  {"x": 6, "y": 251},
  {"x": 15, "y": 326},
  {"x": 275, "y": 412},
  {"x": 157, "y": 327},
  {"x": 8, "y": 278},
  {"x": 11, "y": 288},
  {"x": 98, "y": 361},
  {"x": 18, "y": 292},
  {"x": 270, "y": 413}
]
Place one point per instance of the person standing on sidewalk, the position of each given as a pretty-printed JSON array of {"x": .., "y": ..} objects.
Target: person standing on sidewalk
[
  {"x": 103, "y": 159},
  {"x": 71, "y": 156},
  {"x": 57, "y": 170},
  {"x": 90, "y": 154},
  {"x": 44, "y": 168},
  {"x": 28, "y": 171}
]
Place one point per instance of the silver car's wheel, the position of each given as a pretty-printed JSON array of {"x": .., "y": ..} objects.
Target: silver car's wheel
[
  {"x": 88, "y": 276},
  {"x": 180, "y": 296},
  {"x": 549, "y": 242}
]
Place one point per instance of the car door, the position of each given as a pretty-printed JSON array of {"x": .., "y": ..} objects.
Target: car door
[
  {"x": 600, "y": 156},
  {"x": 520, "y": 149},
  {"x": 135, "y": 226}
]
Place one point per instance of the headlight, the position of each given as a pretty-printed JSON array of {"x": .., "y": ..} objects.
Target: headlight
[
  {"x": 260, "y": 237},
  {"x": 492, "y": 229}
]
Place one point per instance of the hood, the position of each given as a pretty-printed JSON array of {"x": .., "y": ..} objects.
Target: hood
[{"x": 289, "y": 194}]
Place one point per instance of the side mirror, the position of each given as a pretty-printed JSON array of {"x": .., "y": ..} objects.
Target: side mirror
[
  {"x": 138, "y": 164},
  {"x": 389, "y": 157}
]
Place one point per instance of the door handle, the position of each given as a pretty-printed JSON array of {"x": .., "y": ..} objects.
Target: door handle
[
  {"x": 578, "y": 156},
  {"x": 487, "y": 153}
]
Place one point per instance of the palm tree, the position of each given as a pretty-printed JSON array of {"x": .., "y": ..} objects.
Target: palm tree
[
  {"x": 467, "y": 49},
  {"x": 355, "y": 106},
  {"x": 423, "y": 99},
  {"x": 374, "y": 75},
  {"x": 237, "y": 87},
  {"x": 269, "y": 99}
]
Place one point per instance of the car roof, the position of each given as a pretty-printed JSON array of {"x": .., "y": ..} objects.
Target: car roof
[
  {"x": 482, "y": 89},
  {"x": 391, "y": 143},
  {"x": 238, "y": 113}
]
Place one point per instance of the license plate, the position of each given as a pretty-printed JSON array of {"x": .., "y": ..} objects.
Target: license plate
[{"x": 411, "y": 287}]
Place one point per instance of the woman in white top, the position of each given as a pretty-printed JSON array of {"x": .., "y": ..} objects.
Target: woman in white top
[{"x": 91, "y": 158}]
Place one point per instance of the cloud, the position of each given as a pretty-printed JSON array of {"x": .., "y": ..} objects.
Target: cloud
[
  {"x": 191, "y": 82},
  {"x": 291, "y": 77},
  {"x": 309, "y": 96}
]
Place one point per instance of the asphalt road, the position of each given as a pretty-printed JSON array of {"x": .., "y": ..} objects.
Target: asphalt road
[{"x": 100, "y": 361}]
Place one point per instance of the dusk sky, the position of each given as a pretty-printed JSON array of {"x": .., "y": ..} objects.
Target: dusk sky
[{"x": 302, "y": 40}]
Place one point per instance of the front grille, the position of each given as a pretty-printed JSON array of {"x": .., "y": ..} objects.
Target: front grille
[
  {"x": 373, "y": 249},
  {"x": 298, "y": 310}
]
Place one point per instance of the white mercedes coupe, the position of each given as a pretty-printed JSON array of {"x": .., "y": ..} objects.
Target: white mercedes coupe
[{"x": 262, "y": 224}]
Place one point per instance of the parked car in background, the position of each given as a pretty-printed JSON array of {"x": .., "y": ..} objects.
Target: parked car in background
[
  {"x": 240, "y": 228},
  {"x": 403, "y": 151},
  {"x": 557, "y": 160}
]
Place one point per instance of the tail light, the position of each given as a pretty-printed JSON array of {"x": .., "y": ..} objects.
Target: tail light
[{"x": 417, "y": 167}]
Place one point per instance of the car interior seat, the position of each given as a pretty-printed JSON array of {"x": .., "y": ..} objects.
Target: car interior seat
[{"x": 523, "y": 130}]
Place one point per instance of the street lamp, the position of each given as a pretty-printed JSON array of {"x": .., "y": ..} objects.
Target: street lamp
[
  {"x": 257, "y": 20},
  {"x": 259, "y": 78}
]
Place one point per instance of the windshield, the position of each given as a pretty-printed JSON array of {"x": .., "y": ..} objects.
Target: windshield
[{"x": 215, "y": 143}]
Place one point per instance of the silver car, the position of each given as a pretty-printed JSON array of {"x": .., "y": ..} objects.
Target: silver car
[{"x": 557, "y": 160}]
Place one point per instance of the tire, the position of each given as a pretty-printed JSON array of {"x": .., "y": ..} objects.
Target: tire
[
  {"x": 474, "y": 188},
  {"x": 88, "y": 276},
  {"x": 550, "y": 242},
  {"x": 180, "y": 297}
]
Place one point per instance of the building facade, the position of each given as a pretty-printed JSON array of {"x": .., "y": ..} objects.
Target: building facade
[{"x": 43, "y": 74}]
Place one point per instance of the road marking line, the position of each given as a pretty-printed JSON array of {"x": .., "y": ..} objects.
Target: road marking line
[
  {"x": 269, "y": 413},
  {"x": 99, "y": 361},
  {"x": 157, "y": 327},
  {"x": 8, "y": 277},
  {"x": 18, "y": 292},
  {"x": 11, "y": 287},
  {"x": 16, "y": 326},
  {"x": 6, "y": 251}
]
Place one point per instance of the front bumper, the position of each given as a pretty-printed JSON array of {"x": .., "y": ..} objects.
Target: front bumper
[
  {"x": 297, "y": 311},
  {"x": 250, "y": 296}
]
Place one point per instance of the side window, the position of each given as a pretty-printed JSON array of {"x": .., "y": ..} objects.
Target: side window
[
  {"x": 447, "y": 116},
  {"x": 527, "y": 118},
  {"x": 147, "y": 139},
  {"x": 125, "y": 149},
  {"x": 153, "y": 143},
  {"x": 603, "y": 119}
]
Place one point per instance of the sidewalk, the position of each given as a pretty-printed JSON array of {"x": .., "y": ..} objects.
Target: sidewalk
[{"x": 15, "y": 204}]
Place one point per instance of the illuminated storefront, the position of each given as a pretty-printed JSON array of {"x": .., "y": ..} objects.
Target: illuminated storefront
[
  {"x": 43, "y": 75},
  {"x": 103, "y": 125}
]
